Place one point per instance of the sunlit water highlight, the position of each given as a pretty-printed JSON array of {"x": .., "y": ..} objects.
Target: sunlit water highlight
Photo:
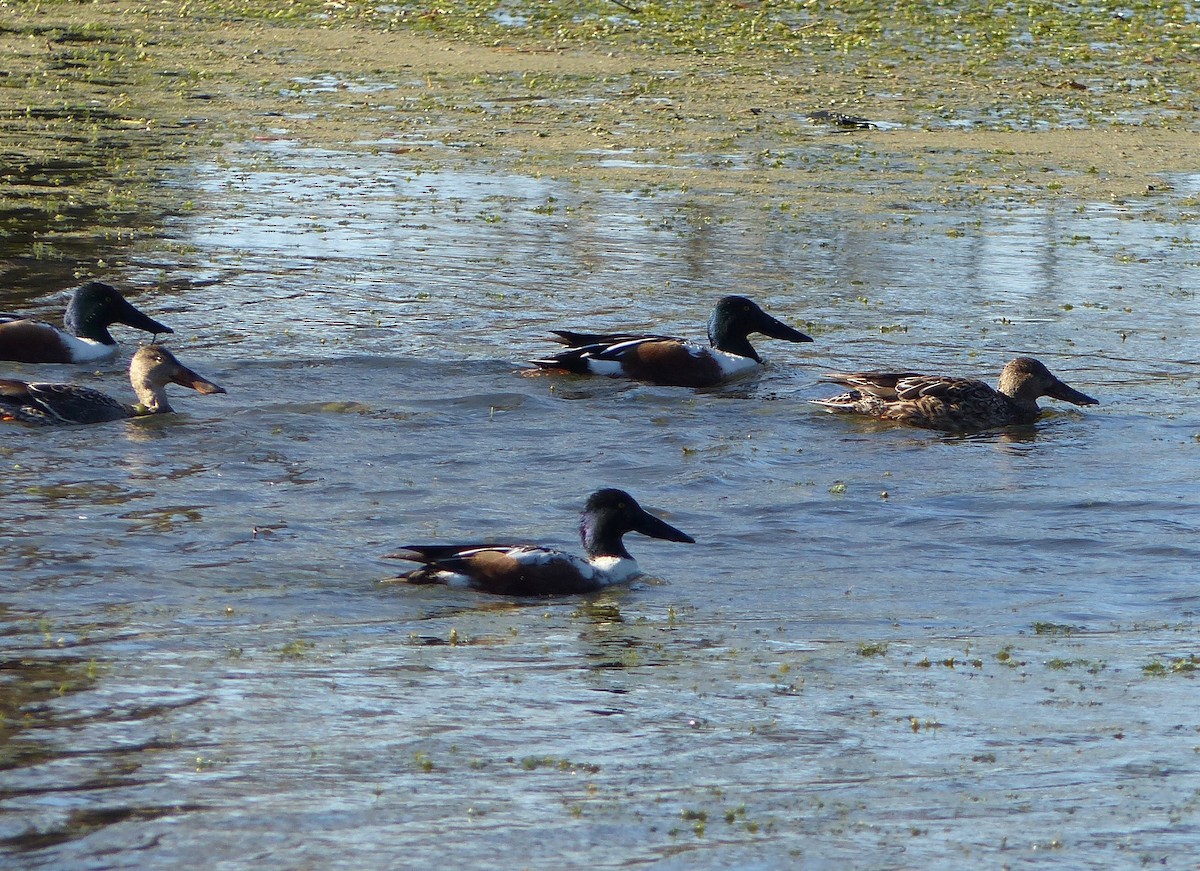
[{"x": 889, "y": 648}]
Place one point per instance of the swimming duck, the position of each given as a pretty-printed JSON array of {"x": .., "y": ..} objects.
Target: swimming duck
[
  {"x": 150, "y": 370},
  {"x": 670, "y": 361},
  {"x": 528, "y": 570},
  {"x": 94, "y": 307},
  {"x": 952, "y": 404}
]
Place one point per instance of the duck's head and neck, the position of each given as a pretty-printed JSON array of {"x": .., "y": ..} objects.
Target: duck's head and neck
[
  {"x": 736, "y": 317},
  {"x": 611, "y": 513},
  {"x": 1025, "y": 380},
  {"x": 152, "y": 368},
  {"x": 96, "y": 306}
]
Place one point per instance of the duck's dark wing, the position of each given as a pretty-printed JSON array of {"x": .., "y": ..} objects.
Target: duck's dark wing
[
  {"x": 579, "y": 340},
  {"x": 608, "y": 347},
  {"x": 520, "y": 570},
  {"x": 584, "y": 347},
  {"x": 433, "y": 553},
  {"x": 68, "y": 403},
  {"x": 654, "y": 359}
]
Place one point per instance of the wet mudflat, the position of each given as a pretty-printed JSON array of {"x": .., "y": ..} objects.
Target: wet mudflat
[{"x": 889, "y": 648}]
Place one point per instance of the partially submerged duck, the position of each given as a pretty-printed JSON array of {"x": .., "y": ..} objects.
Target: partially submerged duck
[
  {"x": 150, "y": 370},
  {"x": 529, "y": 570},
  {"x": 674, "y": 362},
  {"x": 952, "y": 404},
  {"x": 93, "y": 308}
]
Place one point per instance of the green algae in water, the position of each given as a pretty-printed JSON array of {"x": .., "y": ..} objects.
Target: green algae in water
[
  {"x": 1041, "y": 628},
  {"x": 298, "y": 649},
  {"x": 1186, "y": 665}
]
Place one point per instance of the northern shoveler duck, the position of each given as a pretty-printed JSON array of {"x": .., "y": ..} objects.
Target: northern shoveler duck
[
  {"x": 952, "y": 404},
  {"x": 670, "y": 361},
  {"x": 150, "y": 370},
  {"x": 94, "y": 308},
  {"x": 528, "y": 570}
]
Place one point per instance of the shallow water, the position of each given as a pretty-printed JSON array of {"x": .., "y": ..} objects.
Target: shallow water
[{"x": 889, "y": 648}]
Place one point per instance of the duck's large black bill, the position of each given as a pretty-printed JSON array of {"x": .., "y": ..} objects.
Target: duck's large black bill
[
  {"x": 132, "y": 317},
  {"x": 1070, "y": 394},
  {"x": 776, "y": 329},
  {"x": 648, "y": 524}
]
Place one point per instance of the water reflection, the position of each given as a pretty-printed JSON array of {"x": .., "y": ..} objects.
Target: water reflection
[
  {"x": 83, "y": 822},
  {"x": 59, "y": 214},
  {"x": 28, "y": 683},
  {"x": 365, "y": 228}
]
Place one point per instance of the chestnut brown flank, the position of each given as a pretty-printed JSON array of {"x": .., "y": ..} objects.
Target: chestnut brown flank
[
  {"x": 499, "y": 573},
  {"x": 671, "y": 364},
  {"x": 31, "y": 342}
]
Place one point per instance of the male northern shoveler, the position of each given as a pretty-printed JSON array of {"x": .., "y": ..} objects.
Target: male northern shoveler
[
  {"x": 528, "y": 570},
  {"x": 94, "y": 307},
  {"x": 952, "y": 404},
  {"x": 150, "y": 370},
  {"x": 675, "y": 362}
]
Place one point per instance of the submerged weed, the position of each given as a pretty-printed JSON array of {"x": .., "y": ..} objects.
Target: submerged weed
[
  {"x": 533, "y": 763},
  {"x": 1005, "y": 657},
  {"x": 297, "y": 649},
  {"x": 1064, "y": 629},
  {"x": 1179, "y": 665},
  {"x": 1092, "y": 666}
]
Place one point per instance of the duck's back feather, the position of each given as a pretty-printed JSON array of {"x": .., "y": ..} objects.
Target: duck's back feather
[
  {"x": 929, "y": 401},
  {"x": 654, "y": 359},
  {"x": 50, "y": 404},
  {"x": 572, "y": 339},
  {"x": 520, "y": 570}
]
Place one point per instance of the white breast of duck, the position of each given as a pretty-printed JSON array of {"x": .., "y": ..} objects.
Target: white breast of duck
[
  {"x": 83, "y": 350},
  {"x": 732, "y": 365},
  {"x": 611, "y": 570}
]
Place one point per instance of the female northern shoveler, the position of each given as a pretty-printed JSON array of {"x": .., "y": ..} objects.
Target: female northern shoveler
[
  {"x": 952, "y": 404},
  {"x": 94, "y": 307},
  {"x": 675, "y": 362},
  {"x": 150, "y": 370},
  {"x": 528, "y": 570}
]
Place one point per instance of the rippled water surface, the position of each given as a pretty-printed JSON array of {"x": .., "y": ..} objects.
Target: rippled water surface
[{"x": 888, "y": 648}]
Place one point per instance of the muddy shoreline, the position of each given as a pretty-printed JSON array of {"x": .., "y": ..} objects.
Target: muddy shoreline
[{"x": 116, "y": 89}]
